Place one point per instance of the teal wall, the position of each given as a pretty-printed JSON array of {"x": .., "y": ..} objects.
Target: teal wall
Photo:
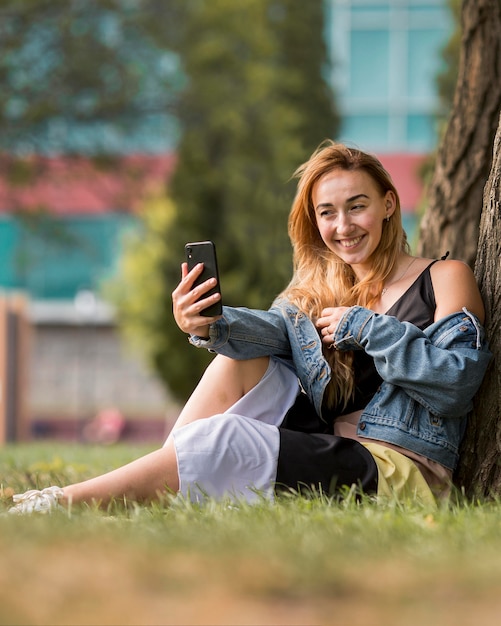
[{"x": 56, "y": 257}]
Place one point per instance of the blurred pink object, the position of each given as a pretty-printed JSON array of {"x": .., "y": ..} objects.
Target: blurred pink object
[{"x": 106, "y": 428}]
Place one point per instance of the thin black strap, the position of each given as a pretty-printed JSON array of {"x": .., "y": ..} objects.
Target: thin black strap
[{"x": 445, "y": 256}]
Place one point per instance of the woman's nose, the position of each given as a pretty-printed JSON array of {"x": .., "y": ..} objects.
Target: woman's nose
[{"x": 344, "y": 224}]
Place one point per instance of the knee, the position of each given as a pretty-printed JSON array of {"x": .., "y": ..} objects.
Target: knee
[{"x": 243, "y": 375}]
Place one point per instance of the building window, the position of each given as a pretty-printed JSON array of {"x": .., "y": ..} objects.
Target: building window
[{"x": 386, "y": 56}]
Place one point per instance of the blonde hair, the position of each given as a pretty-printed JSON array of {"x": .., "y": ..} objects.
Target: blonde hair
[{"x": 321, "y": 279}]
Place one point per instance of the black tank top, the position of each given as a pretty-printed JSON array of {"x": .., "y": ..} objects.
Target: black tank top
[{"x": 416, "y": 305}]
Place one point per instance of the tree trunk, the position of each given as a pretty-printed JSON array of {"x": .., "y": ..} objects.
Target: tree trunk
[
  {"x": 464, "y": 156},
  {"x": 479, "y": 471}
]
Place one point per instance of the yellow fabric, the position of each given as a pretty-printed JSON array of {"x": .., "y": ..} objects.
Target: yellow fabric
[{"x": 398, "y": 477}]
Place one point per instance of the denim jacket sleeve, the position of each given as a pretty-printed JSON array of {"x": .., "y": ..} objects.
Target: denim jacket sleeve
[
  {"x": 441, "y": 367},
  {"x": 243, "y": 333}
]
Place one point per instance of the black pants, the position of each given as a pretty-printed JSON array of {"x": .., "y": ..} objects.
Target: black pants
[
  {"x": 311, "y": 457},
  {"x": 310, "y": 461}
]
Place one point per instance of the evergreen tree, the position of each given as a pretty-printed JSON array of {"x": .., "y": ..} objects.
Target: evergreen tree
[
  {"x": 254, "y": 106},
  {"x": 307, "y": 65}
]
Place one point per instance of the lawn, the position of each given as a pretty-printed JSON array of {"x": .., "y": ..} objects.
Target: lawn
[{"x": 299, "y": 561}]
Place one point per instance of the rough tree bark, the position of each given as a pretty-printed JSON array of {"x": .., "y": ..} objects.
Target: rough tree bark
[
  {"x": 464, "y": 156},
  {"x": 479, "y": 471}
]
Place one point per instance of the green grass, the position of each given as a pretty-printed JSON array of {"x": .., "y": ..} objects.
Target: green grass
[{"x": 299, "y": 561}]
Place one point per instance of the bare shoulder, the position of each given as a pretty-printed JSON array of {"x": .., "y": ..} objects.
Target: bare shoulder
[
  {"x": 455, "y": 287},
  {"x": 451, "y": 268},
  {"x": 455, "y": 272}
]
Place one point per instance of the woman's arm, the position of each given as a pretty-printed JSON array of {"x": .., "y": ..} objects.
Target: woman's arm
[
  {"x": 243, "y": 333},
  {"x": 240, "y": 333}
]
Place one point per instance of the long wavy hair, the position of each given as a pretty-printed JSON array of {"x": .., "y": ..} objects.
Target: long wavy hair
[{"x": 321, "y": 278}]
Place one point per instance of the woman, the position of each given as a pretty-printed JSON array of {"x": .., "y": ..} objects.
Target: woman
[{"x": 361, "y": 373}]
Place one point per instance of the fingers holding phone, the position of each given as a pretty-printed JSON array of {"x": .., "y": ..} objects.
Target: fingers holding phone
[
  {"x": 203, "y": 292},
  {"x": 197, "y": 298},
  {"x": 207, "y": 282}
]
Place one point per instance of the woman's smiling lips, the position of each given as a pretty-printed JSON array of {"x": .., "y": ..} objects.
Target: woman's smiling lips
[{"x": 350, "y": 243}]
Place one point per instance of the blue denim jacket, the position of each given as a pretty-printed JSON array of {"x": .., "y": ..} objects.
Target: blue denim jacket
[{"x": 430, "y": 376}]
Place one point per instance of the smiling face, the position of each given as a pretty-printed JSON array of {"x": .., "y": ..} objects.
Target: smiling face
[{"x": 350, "y": 210}]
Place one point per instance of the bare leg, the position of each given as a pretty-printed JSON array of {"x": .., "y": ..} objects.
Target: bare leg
[
  {"x": 143, "y": 479},
  {"x": 224, "y": 382}
]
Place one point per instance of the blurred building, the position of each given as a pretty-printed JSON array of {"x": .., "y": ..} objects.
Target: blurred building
[
  {"x": 385, "y": 59},
  {"x": 61, "y": 235}
]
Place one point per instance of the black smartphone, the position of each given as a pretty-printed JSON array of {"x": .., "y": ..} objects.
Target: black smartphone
[{"x": 205, "y": 252}]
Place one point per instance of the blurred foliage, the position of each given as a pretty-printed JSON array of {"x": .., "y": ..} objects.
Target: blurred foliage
[
  {"x": 141, "y": 292},
  {"x": 255, "y": 105},
  {"x": 84, "y": 76}
]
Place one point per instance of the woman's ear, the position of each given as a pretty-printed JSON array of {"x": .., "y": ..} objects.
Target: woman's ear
[{"x": 390, "y": 203}]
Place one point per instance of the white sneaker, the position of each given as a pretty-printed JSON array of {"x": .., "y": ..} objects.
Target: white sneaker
[{"x": 35, "y": 501}]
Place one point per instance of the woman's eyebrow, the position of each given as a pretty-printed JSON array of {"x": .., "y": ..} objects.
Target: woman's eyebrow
[
  {"x": 351, "y": 199},
  {"x": 356, "y": 197}
]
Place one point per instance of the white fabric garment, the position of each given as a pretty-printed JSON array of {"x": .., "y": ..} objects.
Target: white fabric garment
[{"x": 235, "y": 454}]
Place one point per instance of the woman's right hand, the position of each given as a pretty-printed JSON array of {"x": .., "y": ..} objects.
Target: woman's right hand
[{"x": 185, "y": 306}]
